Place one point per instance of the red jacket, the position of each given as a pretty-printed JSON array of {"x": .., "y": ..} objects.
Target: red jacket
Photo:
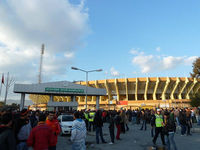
[
  {"x": 41, "y": 137},
  {"x": 54, "y": 124}
]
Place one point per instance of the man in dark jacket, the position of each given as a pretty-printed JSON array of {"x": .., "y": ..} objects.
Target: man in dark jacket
[
  {"x": 34, "y": 118},
  {"x": 152, "y": 122},
  {"x": 98, "y": 122},
  {"x": 7, "y": 138},
  {"x": 169, "y": 129},
  {"x": 117, "y": 122},
  {"x": 144, "y": 120},
  {"x": 112, "y": 127},
  {"x": 22, "y": 129},
  {"x": 183, "y": 121}
]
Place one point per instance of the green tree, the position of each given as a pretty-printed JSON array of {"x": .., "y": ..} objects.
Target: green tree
[
  {"x": 14, "y": 106},
  {"x": 195, "y": 100},
  {"x": 1, "y": 104},
  {"x": 196, "y": 69}
]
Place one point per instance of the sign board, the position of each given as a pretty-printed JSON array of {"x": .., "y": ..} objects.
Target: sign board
[
  {"x": 122, "y": 102},
  {"x": 64, "y": 90}
]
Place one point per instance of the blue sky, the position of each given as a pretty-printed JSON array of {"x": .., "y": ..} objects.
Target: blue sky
[
  {"x": 119, "y": 26},
  {"x": 129, "y": 38}
]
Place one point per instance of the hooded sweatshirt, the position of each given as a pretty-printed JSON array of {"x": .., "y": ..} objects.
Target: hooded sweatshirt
[{"x": 78, "y": 131}]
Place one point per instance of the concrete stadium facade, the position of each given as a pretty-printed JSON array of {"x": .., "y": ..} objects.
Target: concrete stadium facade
[
  {"x": 133, "y": 93},
  {"x": 143, "y": 92}
]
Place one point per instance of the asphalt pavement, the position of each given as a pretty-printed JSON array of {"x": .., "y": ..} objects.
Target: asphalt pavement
[{"x": 134, "y": 139}]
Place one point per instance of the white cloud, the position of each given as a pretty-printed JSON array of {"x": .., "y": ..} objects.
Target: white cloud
[
  {"x": 114, "y": 72},
  {"x": 69, "y": 55},
  {"x": 25, "y": 25},
  {"x": 136, "y": 51},
  {"x": 158, "y": 49},
  {"x": 157, "y": 63}
]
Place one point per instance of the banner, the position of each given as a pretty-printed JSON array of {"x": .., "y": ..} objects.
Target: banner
[{"x": 122, "y": 102}]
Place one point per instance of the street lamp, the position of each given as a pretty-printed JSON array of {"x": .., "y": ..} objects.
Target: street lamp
[{"x": 86, "y": 71}]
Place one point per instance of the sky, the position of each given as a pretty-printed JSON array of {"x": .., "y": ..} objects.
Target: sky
[{"x": 124, "y": 38}]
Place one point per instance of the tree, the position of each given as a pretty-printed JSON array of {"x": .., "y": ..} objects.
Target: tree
[
  {"x": 9, "y": 82},
  {"x": 195, "y": 100},
  {"x": 196, "y": 69},
  {"x": 1, "y": 104}
]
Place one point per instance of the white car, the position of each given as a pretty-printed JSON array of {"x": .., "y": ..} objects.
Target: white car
[{"x": 65, "y": 123}]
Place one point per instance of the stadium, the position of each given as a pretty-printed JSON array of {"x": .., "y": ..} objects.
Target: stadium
[{"x": 131, "y": 93}]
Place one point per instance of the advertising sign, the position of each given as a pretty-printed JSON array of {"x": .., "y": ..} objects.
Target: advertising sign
[{"x": 122, "y": 102}]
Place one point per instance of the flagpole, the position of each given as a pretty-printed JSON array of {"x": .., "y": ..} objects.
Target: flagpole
[
  {"x": 2, "y": 82},
  {"x": 0, "y": 90}
]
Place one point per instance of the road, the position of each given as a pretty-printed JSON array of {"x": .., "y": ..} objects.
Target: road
[{"x": 134, "y": 139}]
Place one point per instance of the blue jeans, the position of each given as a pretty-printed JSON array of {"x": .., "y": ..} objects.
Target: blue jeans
[
  {"x": 99, "y": 132},
  {"x": 133, "y": 120},
  {"x": 183, "y": 129},
  {"x": 144, "y": 123},
  {"x": 178, "y": 123},
  {"x": 22, "y": 146},
  {"x": 170, "y": 141},
  {"x": 78, "y": 146},
  {"x": 152, "y": 130}
]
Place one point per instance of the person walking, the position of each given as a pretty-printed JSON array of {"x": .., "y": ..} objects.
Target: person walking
[
  {"x": 134, "y": 116},
  {"x": 34, "y": 118},
  {"x": 169, "y": 128},
  {"x": 152, "y": 122},
  {"x": 118, "y": 125},
  {"x": 98, "y": 122},
  {"x": 41, "y": 136},
  {"x": 126, "y": 121},
  {"x": 144, "y": 120},
  {"x": 188, "y": 121},
  {"x": 183, "y": 122},
  {"x": 79, "y": 132},
  {"x": 22, "y": 128},
  {"x": 122, "y": 122},
  {"x": 112, "y": 127},
  {"x": 7, "y": 138},
  {"x": 91, "y": 120},
  {"x": 53, "y": 123},
  {"x": 86, "y": 119},
  {"x": 159, "y": 127}
]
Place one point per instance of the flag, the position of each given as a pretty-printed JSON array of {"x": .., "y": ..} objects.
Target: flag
[{"x": 2, "y": 80}]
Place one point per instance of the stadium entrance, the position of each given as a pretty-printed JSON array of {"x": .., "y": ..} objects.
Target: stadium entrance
[{"x": 47, "y": 92}]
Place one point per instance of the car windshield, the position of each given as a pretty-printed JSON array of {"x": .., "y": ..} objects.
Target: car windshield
[{"x": 67, "y": 118}]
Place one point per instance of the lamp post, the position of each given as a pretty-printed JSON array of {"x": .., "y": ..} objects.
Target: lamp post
[{"x": 86, "y": 71}]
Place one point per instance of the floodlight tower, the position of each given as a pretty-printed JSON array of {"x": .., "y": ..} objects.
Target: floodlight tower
[{"x": 40, "y": 69}]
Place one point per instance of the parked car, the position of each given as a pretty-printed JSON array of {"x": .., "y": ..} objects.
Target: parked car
[{"x": 65, "y": 123}]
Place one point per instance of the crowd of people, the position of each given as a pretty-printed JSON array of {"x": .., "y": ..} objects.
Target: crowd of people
[{"x": 20, "y": 130}]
